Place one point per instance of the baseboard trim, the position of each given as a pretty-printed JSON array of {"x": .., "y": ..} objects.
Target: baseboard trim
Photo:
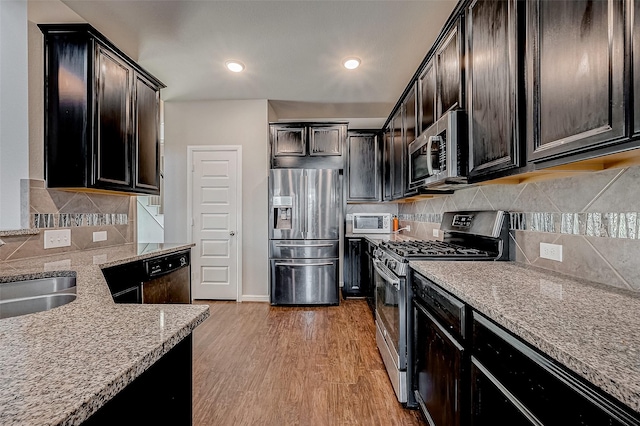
[{"x": 254, "y": 298}]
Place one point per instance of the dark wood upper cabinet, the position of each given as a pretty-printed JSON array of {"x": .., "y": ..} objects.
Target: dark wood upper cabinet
[
  {"x": 492, "y": 94},
  {"x": 113, "y": 119},
  {"x": 387, "y": 164},
  {"x": 313, "y": 145},
  {"x": 634, "y": 16},
  {"x": 363, "y": 166},
  {"x": 102, "y": 114},
  {"x": 448, "y": 72},
  {"x": 427, "y": 97},
  {"x": 147, "y": 150},
  {"x": 326, "y": 140},
  {"x": 575, "y": 77},
  {"x": 409, "y": 127},
  {"x": 398, "y": 156},
  {"x": 288, "y": 140}
]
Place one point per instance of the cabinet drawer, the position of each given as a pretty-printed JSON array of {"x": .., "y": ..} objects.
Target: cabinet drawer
[
  {"x": 300, "y": 249},
  {"x": 550, "y": 392}
]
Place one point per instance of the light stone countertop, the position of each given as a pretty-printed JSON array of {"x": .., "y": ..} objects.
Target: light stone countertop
[
  {"x": 592, "y": 329},
  {"x": 60, "y": 366},
  {"x": 378, "y": 238}
]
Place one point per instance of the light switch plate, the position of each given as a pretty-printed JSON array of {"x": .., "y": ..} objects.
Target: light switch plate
[
  {"x": 57, "y": 238},
  {"x": 99, "y": 236}
]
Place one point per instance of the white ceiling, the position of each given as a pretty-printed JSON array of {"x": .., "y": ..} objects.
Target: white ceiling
[{"x": 292, "y": 49}]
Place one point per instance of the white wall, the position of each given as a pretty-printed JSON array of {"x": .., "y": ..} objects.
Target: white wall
[
  {"x": 222, "y": 123},
  {"x": 14, "y": 126}
]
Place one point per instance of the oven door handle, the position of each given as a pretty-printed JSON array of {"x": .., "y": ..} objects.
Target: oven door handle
[{"x": 386, "y": 275}]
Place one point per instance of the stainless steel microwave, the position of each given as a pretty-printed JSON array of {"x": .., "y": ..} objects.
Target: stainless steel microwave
[
  {"x": 438, "y": 157},
  {"x": 371, "y": 223}
]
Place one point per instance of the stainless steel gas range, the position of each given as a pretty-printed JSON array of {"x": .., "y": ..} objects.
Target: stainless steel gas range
[{"x": 468, "y": 235}]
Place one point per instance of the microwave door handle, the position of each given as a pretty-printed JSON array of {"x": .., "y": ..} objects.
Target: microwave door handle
[
  {"x": 429, "y": 165},
  {"x": 429, "y": 146}
]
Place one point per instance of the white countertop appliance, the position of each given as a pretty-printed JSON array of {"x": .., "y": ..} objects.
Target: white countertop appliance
[{"x": 371, "y": 223}]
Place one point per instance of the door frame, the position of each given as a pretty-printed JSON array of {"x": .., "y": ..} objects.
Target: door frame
[{"x": 191, "y": 149}]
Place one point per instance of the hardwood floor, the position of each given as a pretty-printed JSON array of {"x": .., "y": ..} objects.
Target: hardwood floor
[{"x": 255, "y": 364}]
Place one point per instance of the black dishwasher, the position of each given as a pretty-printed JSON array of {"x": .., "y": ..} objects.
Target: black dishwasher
[
  {"x": 440, "y": 376},
  {"x": 161, "y": 279}
]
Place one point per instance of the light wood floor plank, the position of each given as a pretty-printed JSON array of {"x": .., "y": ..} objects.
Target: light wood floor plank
[{"x": 255, "y": 364}]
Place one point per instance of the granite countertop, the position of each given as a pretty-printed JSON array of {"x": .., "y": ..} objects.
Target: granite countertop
[
  {"x": 377, "y": 238},
  {"x": 60, "y": 366},
  {"x": 592, "y": 329}
]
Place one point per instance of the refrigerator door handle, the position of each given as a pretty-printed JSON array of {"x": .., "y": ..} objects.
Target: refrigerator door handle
[
  {"x": 304, "y": 264},
  {"x": 305, "y": 232}
]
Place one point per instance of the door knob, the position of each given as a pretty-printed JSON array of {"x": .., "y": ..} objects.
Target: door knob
[{"x": 232, "y": 233}]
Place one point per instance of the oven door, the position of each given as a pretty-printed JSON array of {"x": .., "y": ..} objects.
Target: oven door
[{"x": 391, "y": 326}]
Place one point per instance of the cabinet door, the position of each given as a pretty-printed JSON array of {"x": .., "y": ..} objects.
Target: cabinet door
[
  {"x": 387, "y": 164},
  {"x": 113, "y": 121},
  {"x": 438, "y": 370},
  {"x": 409, "y": 125},
  {"x": 449, "y": 90},
  {"x": 492, "y": 83},
  {"x": 326, "y": 140},
  {"x": 288, "y": 141},
  {"x": 492, "y": 404},
  {"x": 352, "y": 268},
  {"x": 398, "y": 156},
  {"x": 427, "y": 97},
  {"x": 635, "y": 80},
  {"x": 575, "y": 68},
  {"x": 363, "y": 167},
  {"x": 147, "y": 143}
]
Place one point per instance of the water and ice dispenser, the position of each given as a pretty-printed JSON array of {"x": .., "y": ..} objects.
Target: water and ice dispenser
[{"x": 282, "y": 213}]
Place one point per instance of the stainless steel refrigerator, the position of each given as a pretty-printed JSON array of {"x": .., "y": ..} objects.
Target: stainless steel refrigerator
[{"x": 305, "y": 209}]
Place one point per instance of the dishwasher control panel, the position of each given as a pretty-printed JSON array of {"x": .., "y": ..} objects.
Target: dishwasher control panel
[{"x": 164, "y": 265}]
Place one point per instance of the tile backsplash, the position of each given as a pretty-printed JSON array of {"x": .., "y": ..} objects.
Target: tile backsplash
[
  {"x": 82, "y": 212},
  {"x": 594, "y": 216}
]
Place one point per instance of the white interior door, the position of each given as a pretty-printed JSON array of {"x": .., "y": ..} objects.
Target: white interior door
[{"x": 215, "y": 189}]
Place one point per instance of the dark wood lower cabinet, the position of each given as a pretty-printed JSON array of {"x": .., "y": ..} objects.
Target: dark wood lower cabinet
[
  {"x": 161, "y": 395},
  {"x": 352, "y": 269},
  {"x": 513, "y": 383}
]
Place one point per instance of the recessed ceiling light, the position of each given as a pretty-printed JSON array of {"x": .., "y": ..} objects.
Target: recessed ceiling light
[
  {"x": 235, "y": 66},
  {"x": 351, "y": 63}
]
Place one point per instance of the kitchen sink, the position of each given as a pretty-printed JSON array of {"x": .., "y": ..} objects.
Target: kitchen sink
[{"x": 35, "y": 295}]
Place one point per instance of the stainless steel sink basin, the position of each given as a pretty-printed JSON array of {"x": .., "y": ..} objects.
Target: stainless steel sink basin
[{"x": 36, "y": 295}]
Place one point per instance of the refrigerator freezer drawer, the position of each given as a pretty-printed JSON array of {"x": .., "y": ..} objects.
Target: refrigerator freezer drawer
[
  {"x": 303, "y": 249},
  {"x": 304, "y": 281}
]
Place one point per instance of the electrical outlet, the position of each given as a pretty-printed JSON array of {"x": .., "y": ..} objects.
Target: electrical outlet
[
  {"x": 436, "y": 233},
  {"x": 100, "y": 236},
  {"x": 408, "y": 228},
  {"x": 551, "y": 251},
  {"x": 57, "y": 238}
]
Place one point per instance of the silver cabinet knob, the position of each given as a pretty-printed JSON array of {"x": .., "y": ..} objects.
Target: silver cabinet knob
[{"x": 232, "y": 233}]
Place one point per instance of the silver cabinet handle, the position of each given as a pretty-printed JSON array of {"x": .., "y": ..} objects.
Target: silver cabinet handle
[
  {"x": 304, "y": 264},
  {"x": 232, "y": 233}
]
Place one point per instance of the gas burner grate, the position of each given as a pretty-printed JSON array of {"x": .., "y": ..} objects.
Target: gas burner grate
[{"x": 431, "y": 248}]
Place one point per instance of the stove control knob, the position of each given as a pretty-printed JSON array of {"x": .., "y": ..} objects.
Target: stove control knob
[{"x": 391, "y": 264}]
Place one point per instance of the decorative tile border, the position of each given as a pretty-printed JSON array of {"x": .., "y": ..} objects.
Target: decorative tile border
[
  {"x": 607, "y": 225},
  {"x": 70, "y": 220},
  {"x": 428, "y": 217}
]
